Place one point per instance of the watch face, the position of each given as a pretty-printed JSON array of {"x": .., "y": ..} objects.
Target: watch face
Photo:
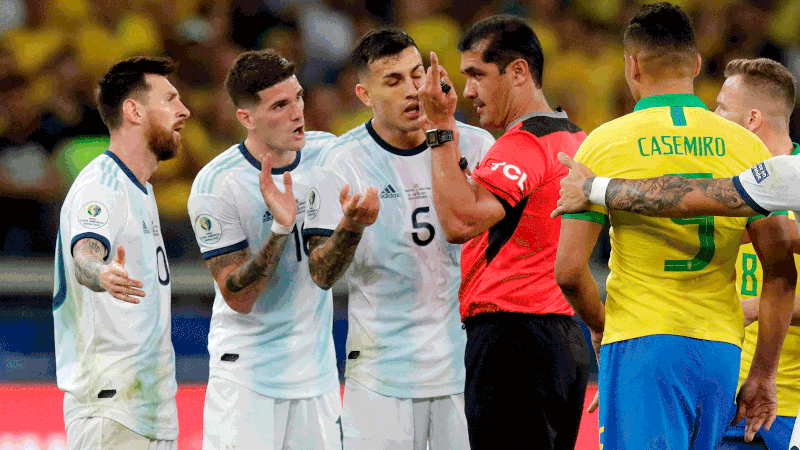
[{"x": 431, "y": 138}]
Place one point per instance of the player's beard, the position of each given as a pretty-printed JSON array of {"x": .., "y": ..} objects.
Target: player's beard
[{"x": 161, "y": 142}]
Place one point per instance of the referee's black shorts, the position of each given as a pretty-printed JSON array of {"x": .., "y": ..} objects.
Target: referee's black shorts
[{"x": 526, "y": 380}]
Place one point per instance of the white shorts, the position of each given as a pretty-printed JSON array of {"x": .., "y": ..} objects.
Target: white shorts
[
  {"x": 371, "y": 421},
  {"x": 101, "y": 433},
  {"x": 236, "y": 417}
]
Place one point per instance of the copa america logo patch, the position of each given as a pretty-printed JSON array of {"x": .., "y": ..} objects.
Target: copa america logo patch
[
  {"x": 759, "y": 172},
  {"x": 93, "y": 215},
  {"x": 207, "y": 229},
  {"x": 312, "y": 204}
]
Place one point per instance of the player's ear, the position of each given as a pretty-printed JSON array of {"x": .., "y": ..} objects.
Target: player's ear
[
  {"x": 635, "y": 66},
  {"x": 363, "y": 94},
  {"x": 755, "y": 119},
  {"x": 698, "y": 65},
  {"x": 132, "y": 111},
  {"x": 244, "y": 117}
]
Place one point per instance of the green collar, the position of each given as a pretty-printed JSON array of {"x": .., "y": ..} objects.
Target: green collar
[
  {"x": 796, "y": 150},
  {"x": 655, "y": 101}
]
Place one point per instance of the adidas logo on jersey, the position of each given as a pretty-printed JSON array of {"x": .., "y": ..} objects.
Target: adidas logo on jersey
[
  {"x": 388, "y": 192},
  {"x": 144, "y": 228},
  {"x": 267, "y": 217}
]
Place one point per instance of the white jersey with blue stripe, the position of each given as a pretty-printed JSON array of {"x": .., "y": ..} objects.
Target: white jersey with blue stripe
[
  {"x": 405, "y": 338},
  {"x": 772, "y": 185},
  {"x": 115, "y": 359},
  {"x": 284, "y": 347}
]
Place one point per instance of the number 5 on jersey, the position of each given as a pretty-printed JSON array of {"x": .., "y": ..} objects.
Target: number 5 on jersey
[{"x": 422, "y": 239}]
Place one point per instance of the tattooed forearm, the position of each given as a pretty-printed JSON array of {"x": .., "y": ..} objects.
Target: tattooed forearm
[
  {"x": 331, "y": 256},
  {"x": 587, "y": 187},
  {"x": 88, "y": 255},
  {"x": 674, "y": 196},
  {"x": 260, "y": 266},
  {"x": 722, "y": 190}
]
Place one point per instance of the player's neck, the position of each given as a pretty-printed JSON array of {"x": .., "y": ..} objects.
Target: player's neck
[
  {"x": 398, "y": 138},
  {"x": 666, "y": 86},
  {"x": 135, "y": 154},
  {"x": 778, "y": 144},
  {"x": 259, "y": 149}
]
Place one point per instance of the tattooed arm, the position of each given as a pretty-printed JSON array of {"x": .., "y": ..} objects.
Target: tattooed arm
[
  {"x": 661, "y": 197},
  {"x": 330, "y": 256},
  {"x": 92, "y": 272},
  {"x": 242, "y": 276},
  {"x": 676, "y": 197}
]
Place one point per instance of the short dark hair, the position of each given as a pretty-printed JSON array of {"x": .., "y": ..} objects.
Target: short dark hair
[
  {"x": 124, "y": 80},
  {"x": 664, "y": 31},
  {"x": 377, "y": 44},
  {"x": 254, "y": 71},
  {"x": 766, "y": 74},
  {"x": 508, "y": 38}
]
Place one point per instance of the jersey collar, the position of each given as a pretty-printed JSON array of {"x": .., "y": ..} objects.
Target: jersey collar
[
  {"x": 557, "y": 113},
  {"x": 275, "y": 170},
  {"x": 688, "y": 100},
  {"x": 126, "y": 171},
  {"x": 796, "y": 150},
  {"x": 392, "y": 149}
]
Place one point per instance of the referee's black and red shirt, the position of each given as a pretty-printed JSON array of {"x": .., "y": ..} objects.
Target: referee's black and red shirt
[{"x": 509, "y": 267}]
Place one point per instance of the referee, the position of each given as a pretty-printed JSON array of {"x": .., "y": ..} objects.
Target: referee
[{"x": 523, "y": 347}]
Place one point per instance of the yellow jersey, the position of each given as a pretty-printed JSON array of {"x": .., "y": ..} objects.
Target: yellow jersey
[
  {"x": 671, "y": 276},
  {"x": 749, "y": 279}
]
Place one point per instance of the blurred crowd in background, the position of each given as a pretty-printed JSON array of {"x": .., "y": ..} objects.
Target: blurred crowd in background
[{"x": 53, "y": 52}]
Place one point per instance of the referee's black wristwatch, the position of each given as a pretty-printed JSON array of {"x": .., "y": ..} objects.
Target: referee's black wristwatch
[{"x": 436, "y": 137}]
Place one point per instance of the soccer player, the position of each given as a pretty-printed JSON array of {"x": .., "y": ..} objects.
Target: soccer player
[
  {"x": 672, "y": 326},
  {"x": 519, "y": 326},
  {"x": 405, "y": 345},
  {"x": 760, "y": 95},
  {"x": 272, "y": 377},
  {"x": 111, "y": 307}
]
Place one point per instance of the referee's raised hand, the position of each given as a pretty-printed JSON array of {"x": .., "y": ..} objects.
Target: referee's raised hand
[{"x": 439, "y": 106}]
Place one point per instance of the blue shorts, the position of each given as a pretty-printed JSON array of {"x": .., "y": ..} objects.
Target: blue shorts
[
  {"x": 666, "y": 392},
  {"x": 777, "y": 438}
]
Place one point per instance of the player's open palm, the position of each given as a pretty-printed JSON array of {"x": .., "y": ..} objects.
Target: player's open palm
[
  {"x": 282, "y": 205},
  {"x": 115, "y": 280},
  {"x": 359, "y": 212},
  {"x": 758, "y": 403}
]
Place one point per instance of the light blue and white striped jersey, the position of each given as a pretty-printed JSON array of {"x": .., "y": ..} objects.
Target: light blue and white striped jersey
[
  {"x": 115, "y": 359},
  {"x": 284, "y": 347},
  {"x": 405, "y": 338}
]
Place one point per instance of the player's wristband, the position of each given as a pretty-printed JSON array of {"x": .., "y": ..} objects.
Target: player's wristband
[
  {"x": 277, "y": 228},
  {"x": 599, "y": 188}
]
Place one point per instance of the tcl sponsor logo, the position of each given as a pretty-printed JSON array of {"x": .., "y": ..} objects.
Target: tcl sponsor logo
[{"x": 512, "y": 172}]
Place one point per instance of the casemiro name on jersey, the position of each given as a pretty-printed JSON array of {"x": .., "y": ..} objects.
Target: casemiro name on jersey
[{"x": 681, "y": 145}]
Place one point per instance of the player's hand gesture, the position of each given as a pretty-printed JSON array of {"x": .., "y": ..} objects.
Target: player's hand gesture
[
  {"x": 282, "y": 205},
  {"x": 359, "y": 212},
  {"x": 597, "y": 339},
  {"x": 114, "y": 279},
  {"x": 574, "y": 192},
  {"x": 439, "y": 107},
  {"x": 758, "y": 403}
]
